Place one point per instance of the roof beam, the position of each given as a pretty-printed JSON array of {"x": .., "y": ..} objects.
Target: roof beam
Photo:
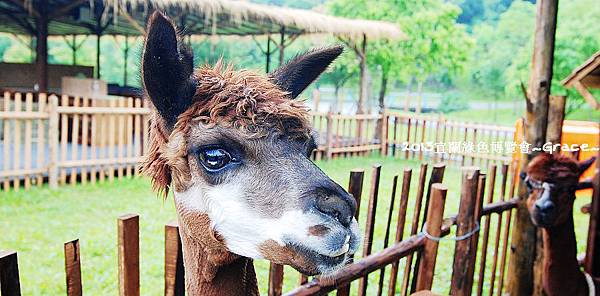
[
  {"x": 21, "y": 22},
  {"x": 66, "y": 9},
  {"x": 585, "y": 93},
  {"x": 131, "y": 20},
  {"x": 21, "y": 4}
]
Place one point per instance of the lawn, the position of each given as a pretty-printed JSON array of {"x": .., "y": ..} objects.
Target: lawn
[
  {"x": 36, "y": 223},
  {"x": 508, "y": 117}
]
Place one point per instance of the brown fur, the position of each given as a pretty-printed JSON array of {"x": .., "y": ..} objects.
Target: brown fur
[
  {"x": 242, "y": 99},
  {"x": 561, "y": 271},
  {"x": 554, "y": 169}
]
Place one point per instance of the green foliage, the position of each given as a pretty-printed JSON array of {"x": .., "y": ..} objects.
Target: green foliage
[
  {"x": 577, "y": 38},
  {"x": 496, "y": 47},
  {"x": 435, "y": 46}
]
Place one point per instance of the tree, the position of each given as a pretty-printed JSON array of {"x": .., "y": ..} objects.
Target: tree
[
  {"x": 435, "y": 43},
  {"x": 576, "y": 40}
]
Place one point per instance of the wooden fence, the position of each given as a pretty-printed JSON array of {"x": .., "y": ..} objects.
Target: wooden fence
[
  {"x": 413, "y": 136},
  {"x": 408, "y": 254},
  {"x": 64, "y": 139}
]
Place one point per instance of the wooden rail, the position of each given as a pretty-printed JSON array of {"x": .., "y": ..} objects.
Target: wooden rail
[
  {"x": 65, "y": 140},
  {"x": 429, "y": 202}
]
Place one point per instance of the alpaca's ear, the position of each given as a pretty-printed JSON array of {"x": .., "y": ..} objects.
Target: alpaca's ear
[
  {"x": 584, "y": 165},
  {"x": 167, "y": 68},
  {"x": 300, "y": 72}
]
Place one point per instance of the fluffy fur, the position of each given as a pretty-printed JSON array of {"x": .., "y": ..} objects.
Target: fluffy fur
[{"x": 242, "y": 99}]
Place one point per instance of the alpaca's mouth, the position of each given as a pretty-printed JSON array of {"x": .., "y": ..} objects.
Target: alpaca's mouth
[
  {"x": 324, "y": 261},
  {"x": 321, "y": 263}
]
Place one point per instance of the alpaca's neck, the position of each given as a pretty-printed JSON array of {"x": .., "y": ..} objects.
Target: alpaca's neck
[
  {"x": 203, "y": 278},
  {"x": 562, "y": 275}
]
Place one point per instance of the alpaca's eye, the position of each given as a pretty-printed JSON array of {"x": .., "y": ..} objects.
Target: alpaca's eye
[{"x": 214, "y": 158}]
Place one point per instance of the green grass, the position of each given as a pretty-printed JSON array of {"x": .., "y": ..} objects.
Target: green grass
[
  {"x": 36, "y": 223},
  {"x": 508, "y": 117},
  {"x": 504, "y": 117}
]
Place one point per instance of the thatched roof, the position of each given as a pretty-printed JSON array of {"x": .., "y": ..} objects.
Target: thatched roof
[{"x": 197, "y": 17}]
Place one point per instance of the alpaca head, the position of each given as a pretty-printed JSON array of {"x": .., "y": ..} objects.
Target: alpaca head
[
  {"x": 551, "y": 182},
  {"x": 234, "y": 148}
]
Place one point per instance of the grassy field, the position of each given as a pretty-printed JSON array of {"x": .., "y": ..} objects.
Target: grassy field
[
  {"x": 507, "y": 117},
  {"x": 36, "y": 223}
]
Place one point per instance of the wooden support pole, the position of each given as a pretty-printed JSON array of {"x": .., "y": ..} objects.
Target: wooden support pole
[
  {"x": 98, "y": 39},
  {"x": 362, "y": 95},
  {"x": 282, "y": 46},
  {"x": 41, "y": 23},
  {"x": 174, "y": 271},
  {"x": 523, "y": 244},
  {"x": 9, "y": 274},
  {"x": 435, "y": 217},
  {"x": 129, "y": 255},
  {"x": 73, "y": 268},
  {"x": 125, "y": 60},
  {"x": 268, "y": 55},
  {"x": 466, "y": 222}
]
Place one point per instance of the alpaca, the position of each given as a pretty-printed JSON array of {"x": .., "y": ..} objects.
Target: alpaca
[
  {"x": 233, "y": 148},
  {"x": 551, "y": 182}
]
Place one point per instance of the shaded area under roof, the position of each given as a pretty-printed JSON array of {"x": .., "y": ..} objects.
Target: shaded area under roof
[{"x": 219, "y": 17}]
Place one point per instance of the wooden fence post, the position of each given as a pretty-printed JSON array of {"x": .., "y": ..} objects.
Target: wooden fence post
[
  {"x": 384, "y": 132},
  {"x": 73, "y": 268},
  {"x": 53, "y": 142},
  {"x": 174, "y": 272},
  {"x": 370, "y": 224},
  {"x": 275, "y": 279},
  {"x": 9, "y": 274},
  {"x": 464, "y": 254},
  {"x": 435, "y": 216},
  {"x": 129, "y": 255},
  {"x": 316, "y": 96},
  {"x": 355, "y": 189},
  {"x": 437, "y": 176},
  {"x": 329, "y": 133}
]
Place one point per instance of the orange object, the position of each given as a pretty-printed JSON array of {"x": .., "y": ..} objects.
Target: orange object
[{"x": 580, "y": 133}]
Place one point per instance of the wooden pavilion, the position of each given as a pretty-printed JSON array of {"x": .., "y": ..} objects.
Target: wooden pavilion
[
  {"x": 43, "y": 18},
  {"x": 584, "y": 77}
]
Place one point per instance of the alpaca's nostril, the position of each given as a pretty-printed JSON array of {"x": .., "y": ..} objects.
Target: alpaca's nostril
[{"x": 335, "y": 207}]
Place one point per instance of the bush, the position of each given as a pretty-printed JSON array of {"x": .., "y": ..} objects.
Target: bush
[{"x": 452, "y": 102}]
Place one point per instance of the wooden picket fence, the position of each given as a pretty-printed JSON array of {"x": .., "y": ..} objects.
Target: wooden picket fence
[
  {"x": 408, "y": 253},
  {"x": 65, "y": 139},
  {"x": 412, "y": 136}
]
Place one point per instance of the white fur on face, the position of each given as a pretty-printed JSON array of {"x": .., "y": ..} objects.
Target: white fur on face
[{"x": 244, "y": 230}]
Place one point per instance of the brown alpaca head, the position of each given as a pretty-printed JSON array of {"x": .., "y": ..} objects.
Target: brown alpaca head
[
  {"x": 234, "y": 148},
  {"x": 551, "y": 182}
]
